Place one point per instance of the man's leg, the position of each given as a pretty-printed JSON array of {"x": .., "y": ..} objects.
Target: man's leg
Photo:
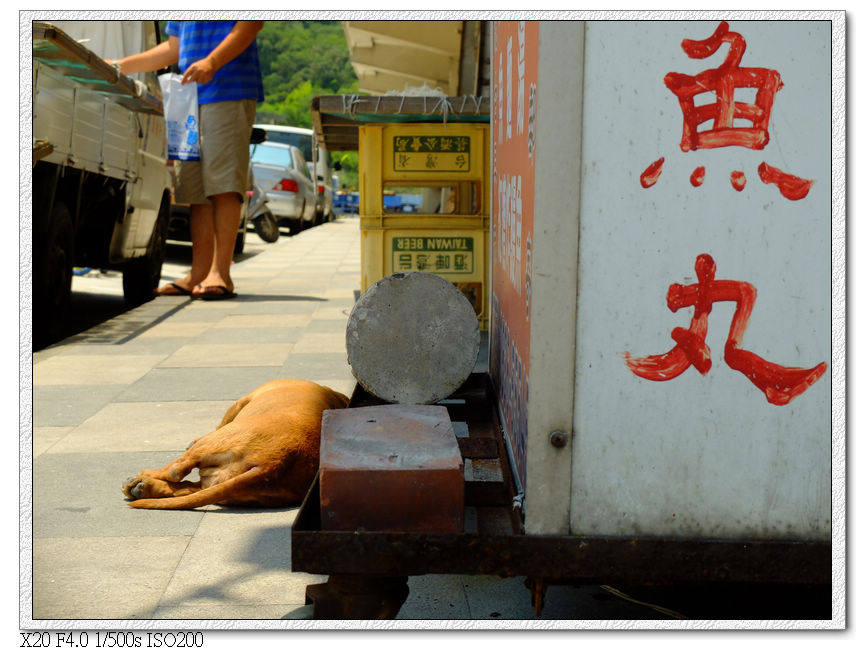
[
  {"x": 224, "y": 223},
  {"x": 201, "y": 232},
  {"x": 202, "y": 235},
  {"x": 225, "y": 129}
]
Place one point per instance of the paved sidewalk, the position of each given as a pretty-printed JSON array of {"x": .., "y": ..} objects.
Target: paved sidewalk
[{"x": 133, "y": 392}]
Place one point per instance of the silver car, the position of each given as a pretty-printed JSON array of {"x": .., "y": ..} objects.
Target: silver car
[
  {"x": 317, "y": 158},
  {"x": 282, "y": 171}
]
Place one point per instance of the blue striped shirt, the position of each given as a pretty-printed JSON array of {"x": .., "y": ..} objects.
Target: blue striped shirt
[{"x": 237, "y": 79}]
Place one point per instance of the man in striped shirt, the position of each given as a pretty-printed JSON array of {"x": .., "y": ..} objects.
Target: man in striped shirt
[{"x": 222, "y": 58}]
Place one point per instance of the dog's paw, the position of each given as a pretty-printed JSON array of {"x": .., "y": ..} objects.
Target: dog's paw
[{"x": 133, "y": 487}]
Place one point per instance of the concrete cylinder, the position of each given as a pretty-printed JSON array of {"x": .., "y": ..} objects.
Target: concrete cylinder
[{"x": 412, "y": 338}]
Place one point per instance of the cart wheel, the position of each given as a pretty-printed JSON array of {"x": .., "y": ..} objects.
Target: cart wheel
[{"x": 345, "y": 597}]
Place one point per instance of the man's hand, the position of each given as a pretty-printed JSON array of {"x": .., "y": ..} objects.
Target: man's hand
[{"x": 201, "y": 71}]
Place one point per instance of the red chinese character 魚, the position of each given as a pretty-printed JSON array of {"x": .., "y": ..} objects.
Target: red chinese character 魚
[
  {"x": 723, "y": 81},
  {"x": 725, "y": 114}
]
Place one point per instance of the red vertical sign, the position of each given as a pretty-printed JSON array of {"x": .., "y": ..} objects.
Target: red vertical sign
[{"x": 515, "y": 75}]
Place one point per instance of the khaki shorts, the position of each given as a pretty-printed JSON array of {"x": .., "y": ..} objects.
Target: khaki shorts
[{"x": 224, "y": 128}]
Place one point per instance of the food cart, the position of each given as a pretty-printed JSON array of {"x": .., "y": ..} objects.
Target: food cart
[{"x": 626, "y": 213}]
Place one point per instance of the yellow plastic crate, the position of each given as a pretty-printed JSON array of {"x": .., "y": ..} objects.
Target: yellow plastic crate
[{"x": 449, "y": 166}]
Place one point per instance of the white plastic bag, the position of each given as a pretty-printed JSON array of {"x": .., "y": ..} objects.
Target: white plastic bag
[{"x": 180, "y": 104}]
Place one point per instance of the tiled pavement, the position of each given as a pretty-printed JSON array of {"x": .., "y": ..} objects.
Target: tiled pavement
[{"x": 134, "y": 391}]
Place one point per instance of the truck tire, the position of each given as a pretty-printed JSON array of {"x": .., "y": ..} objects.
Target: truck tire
[
  {"x": 240, "y": 241},
  {"x": 141, "y": 275},
  {"x": 52, "y": 275}
]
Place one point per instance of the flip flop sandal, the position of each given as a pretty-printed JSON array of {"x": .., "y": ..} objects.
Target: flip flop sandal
[
  {"x": 216, "y": 293},
  {"x": 172, "y": 289}
]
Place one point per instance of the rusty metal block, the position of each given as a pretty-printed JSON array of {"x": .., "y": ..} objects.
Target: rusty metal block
[{"x": 391, "y": 468}]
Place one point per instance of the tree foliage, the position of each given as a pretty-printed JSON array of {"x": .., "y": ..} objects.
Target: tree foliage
[{"x": 299, "y": 60}]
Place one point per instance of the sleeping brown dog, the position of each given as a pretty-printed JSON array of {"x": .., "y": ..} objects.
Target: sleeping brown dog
[{"x": 264, "y": 453}]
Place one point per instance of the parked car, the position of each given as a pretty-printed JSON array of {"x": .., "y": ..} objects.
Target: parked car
[
  {"x": 282, "y": 171},
  {"x": 317, "y": 158}
]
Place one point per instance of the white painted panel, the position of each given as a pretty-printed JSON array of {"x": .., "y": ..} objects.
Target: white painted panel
[
  {"x": 53, "y": 103},
  {"x": 701, "y": 455},
  {"x": 88, "y": 120},
  {"x": 119, "y": 144},
  {"x": 109, "y": 39}
]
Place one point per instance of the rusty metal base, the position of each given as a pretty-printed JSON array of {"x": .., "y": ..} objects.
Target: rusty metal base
[
  {"x": 345, "y": 597},
  {"x": 494, "y": 543}
]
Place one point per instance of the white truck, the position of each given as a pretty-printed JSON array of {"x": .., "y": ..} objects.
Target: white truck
[{"x": 101, "y": 186}]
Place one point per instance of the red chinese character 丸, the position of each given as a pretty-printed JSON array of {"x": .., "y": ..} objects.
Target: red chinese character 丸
[{"x": 780, "y": 384}]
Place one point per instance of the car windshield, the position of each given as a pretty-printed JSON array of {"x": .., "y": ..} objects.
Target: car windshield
[
  {"x": 262, "y": 153},
  {"x": 302, "y": 141}
]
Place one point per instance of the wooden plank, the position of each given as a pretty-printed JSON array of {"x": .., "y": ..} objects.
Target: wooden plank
[
  {"x": 335, "y": 120},
  {"x": 57, "y": 49}
]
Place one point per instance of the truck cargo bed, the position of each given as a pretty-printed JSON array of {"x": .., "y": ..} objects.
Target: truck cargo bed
[{"x": 64, "y": 54}]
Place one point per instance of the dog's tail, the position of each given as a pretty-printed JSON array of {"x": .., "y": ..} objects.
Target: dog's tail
[{"x": 213, "y": 494}]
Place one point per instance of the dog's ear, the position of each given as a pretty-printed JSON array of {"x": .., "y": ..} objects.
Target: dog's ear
[{"x": 337, "y": 398}]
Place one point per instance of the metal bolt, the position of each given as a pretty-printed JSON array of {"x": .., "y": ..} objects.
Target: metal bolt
[{"x": 558, "y": 439}]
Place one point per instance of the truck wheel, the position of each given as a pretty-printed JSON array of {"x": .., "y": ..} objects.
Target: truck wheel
[
  {"x": 240, "y": 242},
  {"x": 141, "y": 275},
  {"x": 52, "y": 269}
]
